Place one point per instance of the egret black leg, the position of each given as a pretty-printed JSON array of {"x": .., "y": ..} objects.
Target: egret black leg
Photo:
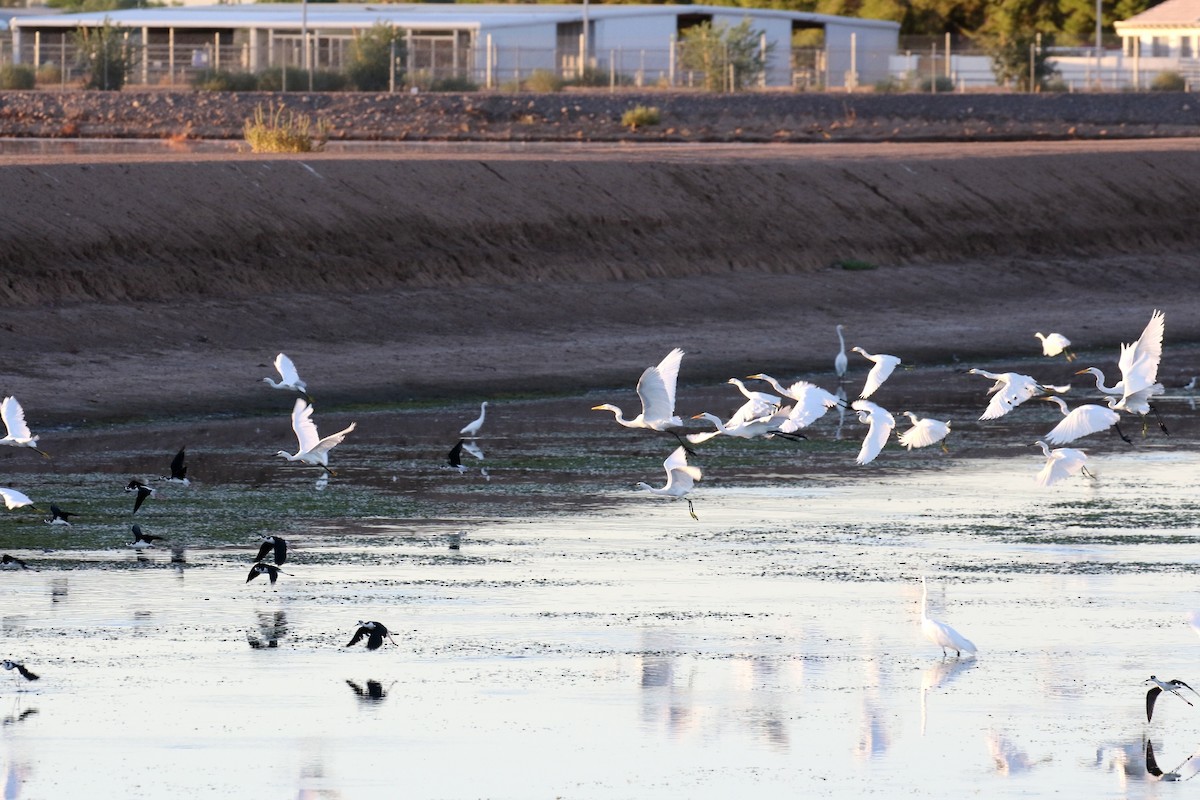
[
  {"x": 1162, "y": 425},
  {"x": 1121, "y": 433},
  {"x": 691, "y": 510},
  {"x": 682, "y": 443}
]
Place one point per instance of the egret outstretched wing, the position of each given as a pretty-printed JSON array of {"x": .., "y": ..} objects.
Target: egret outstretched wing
[
  {"x": 1139, "y": 361},
  {"x": 882, "y": 424},
  {"x": 656, "y": 389},
  {"x": 287, "y": 371},
  {"x": 14, "y": 419},
  {"x": 304, "y": 427},
  {"x": 1081, "y": 421},
  {"x": 681, "y": 477}
]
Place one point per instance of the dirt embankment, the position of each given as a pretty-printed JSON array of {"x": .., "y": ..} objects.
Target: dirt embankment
[{"x": 166, "y": 284}]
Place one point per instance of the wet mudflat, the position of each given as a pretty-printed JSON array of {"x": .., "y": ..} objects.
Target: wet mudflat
[{"x": 590, "y": 641}]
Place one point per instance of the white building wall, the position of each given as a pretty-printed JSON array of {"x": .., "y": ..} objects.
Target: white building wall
[
  {"x": 872, "y": 47},
  {"x": 522, "y": 48},
  {"x": 638, "y": 47}
]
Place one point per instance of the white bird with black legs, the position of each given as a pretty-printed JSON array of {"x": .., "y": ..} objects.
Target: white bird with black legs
[
  {"x": 472, "y": 427},
  {"x": 656, "y": 390},
  {"x": 18, "y": 434},
  {"x": 840, "y": 362},
  {"x": 59, "y": 517},
  {"x": 760, "y": 403},
  {"x": 939, "y": 632},
  {"x": 14, "y": 499},
  {"x": 882, "y": 424},
  {"x": 1139, "y": 364},
  {"x": 373, "y": 632},
  {"x": 275, "y": 545},
  {"x": 289, "y": 378},
  {"x": 1172, "y": 686},
  {"x": 1010, "y": 390},
  {"x": 1082, "y": 421},
  {"x": 1061, "y": 463},
  {"x": 681, "y": 477},
  {"x": 311, "y": 448},
  {"x": 1054, "y": 344},
  {"x": 143, "y": 540},
  {"x": 810, "y": 402},
  {"x": 144, "y": 492},
  {"x": 764, "y": 426},
  {"x": 924, "y": 432},
  {"x": 10, "y": 664},
  {"x": 884, "y": 365}
]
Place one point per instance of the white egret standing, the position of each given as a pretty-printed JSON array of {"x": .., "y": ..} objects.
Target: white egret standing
[
  {"x": 924, "y": 432},
  {"x": 940, "y": 633},
  {"x": 680, "y": 479},
  {"x": 1139, "y": 372},
  {"x": 656, "y": 390},
  {"x": 884, "y": 366},
  {"x": 840, "y": 362},
  {"x": 289, "y": 378},
  {"x": 18, "y": 434},
  {"x": 1062, "y": 462},
  {"x": 472, "y": 427},
  {"x": 1054, "y": 344},
  {"x": 312, "y": 449},
  {"x": 882, "y": 424},
  {"x": 1082, "y": 421},
  {"x": 811, "y": 402}
]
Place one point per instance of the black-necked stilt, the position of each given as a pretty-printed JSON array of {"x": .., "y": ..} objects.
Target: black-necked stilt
[
  {"x": 18, "y": 432},
  {"x": 289, "y": 377},
  {"x": 372, "y": 693},
  {"x": 143, "y": 491},
  {"x": 14, "y": 499},
  {"x": 311, "y": 448},
  {"x": 275, "y": 543},
  {"x": 454, "y": 458},
  {"x": 374, "y": 631},
  {"x": 60, "y": 517},
  {"x": 472, "y": 427},
  {"x": 12, "y": 562},
  {"x": 270, "y": 570},
  {"x": 143, "y": 540},
  {"x": 26, "y": 674},
  {"x": 1173, "y": 686},
  {"x": 178, "y": 468}
]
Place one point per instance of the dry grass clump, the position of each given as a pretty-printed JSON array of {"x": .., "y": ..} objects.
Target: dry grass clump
[
  {"x": 640, "y": 117},
  {"x": 278, "y": 130}
]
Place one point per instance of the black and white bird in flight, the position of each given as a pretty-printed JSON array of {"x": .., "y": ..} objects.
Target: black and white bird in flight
[
  {"x": 12, "y": 562},
  {"x": 143, "y": 540},
  {"x": 60, "y": 517},
  {"x": 270, "y": 570},
  {"x": 275, "y": 543},
  {"x": 8, "y": 663},
  {"x": 455, "y": 457},
  {"x": 143, "y": 491},
  {"x": 374, "y": 632},
  {"x": 178, "y": 468},
  {"x": 1173, "y": 686}
]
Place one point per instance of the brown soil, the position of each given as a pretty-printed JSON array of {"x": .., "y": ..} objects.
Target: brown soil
[{"x": 166, "y": 284}]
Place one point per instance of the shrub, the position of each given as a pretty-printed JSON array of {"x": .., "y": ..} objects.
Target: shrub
[
  {"x": 724, "y": 54},
  {"x": 591, "y": 77},
  {"x": 1168, "y": 82},
  {"x": 890, "y": 85},
  {"x": 941, "y": 84},
  {"x": 369, "y": 67},
  {"x": 324, "y": 80},
  {"x": 543, "y": 81},
  {"x": 104, "y": 53},
  {"x": 640, "y": 117},
  {"x": 16, "y": 76},
  {"x": 49, "y": 74},
  {"x": 278, "y": 130},
  {"x": 211, "y": 80},
  {"x": 279, "y": 79},
  {"x": 453, "y": 84}
]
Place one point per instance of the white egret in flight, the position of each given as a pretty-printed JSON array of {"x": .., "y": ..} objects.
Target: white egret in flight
[
  {"x": 882, "y": 424},
  {"x": 1010, "y": 390},
  {"x": 14, "y": 499},
  {"x": 1082, "y": 421},
  {"x": 311, "y": 448},
  {"x": 884, "y": 366},
  {"x": 1062, "y": 462},
  {"x": 18, "y": 434},
  {"x": 940, "y": 633},
  {"x": 766, "y": 425},
  {"x": 924, "y": 432},
  {"x": 1055, "y": 343},
  {"x": 680, "y": 479},
  {"x": 289, "y": 378},
  {"x": 656, "y": 390},
  {"x": 811, "y": 402},
  {"x": 1139, "y": 372}
]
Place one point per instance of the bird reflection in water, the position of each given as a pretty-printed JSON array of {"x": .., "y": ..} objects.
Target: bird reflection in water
[
  {"x": 841, "y": 411},
  {"x": 15, "y": 775},
  {"x": 374, "y": 692},
  {"x": 1008, "y": 757},
  {"x": 1184, "y": 772},
  {"x": 873, "y": 736},
  {"x": 58, "y": 590},
  {"x": 18, "y": 713},
  {"x": 272, "y": 626},
  {"x": 939, "y": 675}
]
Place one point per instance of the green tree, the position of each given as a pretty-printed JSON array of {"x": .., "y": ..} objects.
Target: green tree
[
  {"x": 1017, "y": 31},
  {"x": 370, "y": 64},
  {"x": 105, "y": 55},
  {"x": 724, "y": 54}
]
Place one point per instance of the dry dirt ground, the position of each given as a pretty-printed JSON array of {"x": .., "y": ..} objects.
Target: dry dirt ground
[{"x": 161, "y": 285}]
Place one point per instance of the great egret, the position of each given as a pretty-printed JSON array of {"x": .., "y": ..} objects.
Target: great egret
[
  {"x": 143, "y": 540},
  {"x": 766, "y": 425},
  {"x": 924, "y": 432},
  {"x": 1139, "y": 371},
  {"x": 882, "y": 424},
  {"x": 59, "y": 517},
  {"x": 1055, "y": 343},
  {"x": 289, "y": 378},
  {"x": 840, "y": 362},
  {"x": 811, "y": 402},
  {"x": 472, "y": 427},
  {"x": 680, "y": 479},
  {"x": 760, "y": 403},
  {"x": 8, "y": 663},
  {"x": 18, "y": 434},
  {"x": 143, "y": 491},
  {"x": 14, "y": 499},
  {"x": 1010, "y": 390},
  {"x": 884, "y": 366},
  {"x": 1081, "y": 421},
  {"x": 276, "y": 545},
  {"x": 179, "y": 469},
  {"x": 270, "y": 570},
  {"x": 1062, "y": 462},
  {"x": 1173, "y": 686},
  {"x": 312, "y": 449},
  {"x": 12, "y": 562},
  {"x": 940, "y": 633},
  {"x": 656, "y": 390},
  {"x": 374, "y": 633}
]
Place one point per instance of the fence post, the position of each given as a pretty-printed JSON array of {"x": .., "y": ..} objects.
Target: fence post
[
  {"x": 487, "y": 66},
  {"x": 671, "y": 63},
  {"x": 392, "y": 63},
  {"x": 612, "y": 71}
]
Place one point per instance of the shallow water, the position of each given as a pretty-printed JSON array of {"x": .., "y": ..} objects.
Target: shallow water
[{"x": 624, "y": 650}]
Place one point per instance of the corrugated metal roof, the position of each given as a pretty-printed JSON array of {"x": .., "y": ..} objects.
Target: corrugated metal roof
[
  {"x": 1172, "y": 12},
  {"x": 418, "y": 16}
]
